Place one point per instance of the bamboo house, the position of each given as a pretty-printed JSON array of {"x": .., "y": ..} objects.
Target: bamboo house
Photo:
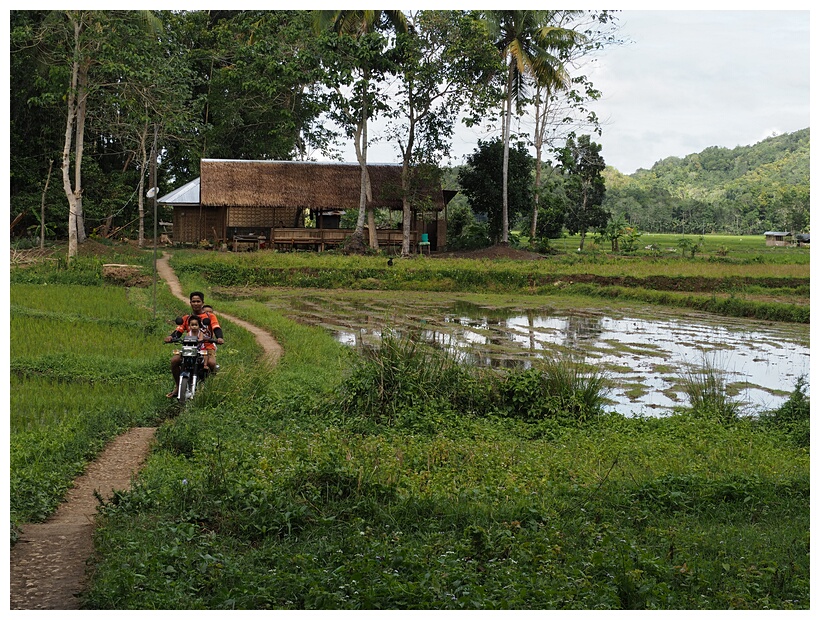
[{"x": 294, "y": 204}]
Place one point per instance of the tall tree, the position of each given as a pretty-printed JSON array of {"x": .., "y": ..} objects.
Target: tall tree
[
  {"x": 582, "y": 166},
  {"x": 36, "y": 130},
  {"x": 481, "y": 181},
  {"x": 529, "y": 44},
  {"x": 75, "y": 40},
  {"x": 148, "y": 93},
  {"x": 362, "y": 47},
  {"x": 444, "y": 60},
  {"x": 563, "y": 109}
]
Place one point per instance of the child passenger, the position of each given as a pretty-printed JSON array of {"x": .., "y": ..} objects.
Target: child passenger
[{"x": 194, "y": 330}]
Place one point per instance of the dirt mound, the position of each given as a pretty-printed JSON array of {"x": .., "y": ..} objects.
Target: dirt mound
[
  {"x": 495, "y": 251},
  {"x": 355, "y": 244},
  {"x": 126, "y": 275}
]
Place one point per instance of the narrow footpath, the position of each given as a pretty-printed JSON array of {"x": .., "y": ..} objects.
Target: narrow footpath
[
  {"x": 272, "y": 349},
  {"x": 48, "y": 562}
]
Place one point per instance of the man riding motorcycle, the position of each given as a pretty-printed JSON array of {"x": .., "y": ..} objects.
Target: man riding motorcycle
[{"x": 197, "y": 300}]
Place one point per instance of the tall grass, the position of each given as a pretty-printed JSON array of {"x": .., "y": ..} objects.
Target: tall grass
[
  {"x": 77, "y": 301},
  {"x": 705, "y": 388},
  {"x": 559, "y": 388},
  {"x": 404, "y": 378}
]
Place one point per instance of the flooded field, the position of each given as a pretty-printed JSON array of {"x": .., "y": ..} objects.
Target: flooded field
[{"x": 644, "y": 350}]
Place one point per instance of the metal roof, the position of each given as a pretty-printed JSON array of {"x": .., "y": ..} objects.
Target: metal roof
[
  {"x": 774, "y": 233},
  {"x": 187, "y": 194}
]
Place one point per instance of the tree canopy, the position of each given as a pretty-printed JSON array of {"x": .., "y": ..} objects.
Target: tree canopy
[{"x": 481, "y": 181}]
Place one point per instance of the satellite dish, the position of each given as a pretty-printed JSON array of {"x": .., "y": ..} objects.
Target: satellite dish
[{"x": 152, "y": 192}]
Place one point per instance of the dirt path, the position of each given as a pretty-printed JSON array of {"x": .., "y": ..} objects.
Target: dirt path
[
  {"x": 272, "y": 349},
  {"x": 48, "y": 562}
]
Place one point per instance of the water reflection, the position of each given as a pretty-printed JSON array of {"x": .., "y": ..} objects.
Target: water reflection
[{"x": 644, "y": 353}]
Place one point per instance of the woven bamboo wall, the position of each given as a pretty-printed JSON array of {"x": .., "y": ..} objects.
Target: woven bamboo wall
[
  {"x": 193, "y": 224},
  {"x": 267, "y": 217}
]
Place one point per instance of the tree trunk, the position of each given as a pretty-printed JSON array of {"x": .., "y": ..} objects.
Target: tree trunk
[
  {"x": 141, "y": 191},
  {"x": 405, "y": 207},
  {"x": 362, "y": 159},
  {"x": 365, "y": 194},
  {"x": 405, "y": 186},
  {"x": 82, "y": 106},
  {"x": 505, "y": 220},
  {"x": 583, "y": 215},
  {"x": 539, "y": 144},
  {"x": 69, "y": 131},
  {"x": 537, "y": 197}
]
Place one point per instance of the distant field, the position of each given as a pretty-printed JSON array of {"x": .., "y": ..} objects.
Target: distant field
[
  {"x": 737, "y": 246},
  {"x": 732, "y": 276}
]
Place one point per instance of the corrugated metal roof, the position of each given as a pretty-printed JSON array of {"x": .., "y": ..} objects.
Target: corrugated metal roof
[
  {"x": 774, "y": 233},
  {"x": 188, "y": 194}
]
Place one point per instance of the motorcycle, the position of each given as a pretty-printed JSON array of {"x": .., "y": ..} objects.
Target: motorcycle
[{"x": 193, "y": 369}]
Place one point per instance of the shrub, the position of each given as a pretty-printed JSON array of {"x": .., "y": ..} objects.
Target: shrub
[
  {"x": 476, "y": 235},
  {"x": 402, "y": 378},
  {"x": 793, "y": 416}
]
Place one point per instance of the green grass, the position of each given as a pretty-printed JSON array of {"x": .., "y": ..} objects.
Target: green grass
[
  {"x": 281, "y": 500},
  {"x": 268, "y": 493}
]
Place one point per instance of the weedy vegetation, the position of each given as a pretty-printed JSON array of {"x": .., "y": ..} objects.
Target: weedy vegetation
[{"x": 403, "y": 479}]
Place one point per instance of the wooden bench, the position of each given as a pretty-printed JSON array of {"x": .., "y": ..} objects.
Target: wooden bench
[{"x": 253, "y": 240}]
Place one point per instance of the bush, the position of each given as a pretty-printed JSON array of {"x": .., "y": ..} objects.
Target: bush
[
  {"x": 793, "y": 416},
  {"x": 403, "y": 380},
  {"x": 474, "y": 237}
]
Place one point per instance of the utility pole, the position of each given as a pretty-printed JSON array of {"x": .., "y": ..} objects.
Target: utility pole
[{"x": 153, "y": 194}]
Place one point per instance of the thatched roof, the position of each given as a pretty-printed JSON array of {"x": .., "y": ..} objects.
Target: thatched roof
[{"x": 314, "y": 185}]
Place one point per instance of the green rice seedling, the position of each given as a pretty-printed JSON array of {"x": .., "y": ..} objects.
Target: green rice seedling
[
  {"x": 33, "y": 336},
  {"x": 706, "y": 389},
  {"x": 75, "y": 300},
  {"x": 37, "y": 402}
]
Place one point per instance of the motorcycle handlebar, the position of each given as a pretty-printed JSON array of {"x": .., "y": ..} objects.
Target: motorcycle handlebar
[{"x": 179, "y": 341}]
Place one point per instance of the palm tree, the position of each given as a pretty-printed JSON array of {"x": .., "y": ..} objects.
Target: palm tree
[
  {"x": 529, "y": 43},
  {"x": 358, "y": 24}
]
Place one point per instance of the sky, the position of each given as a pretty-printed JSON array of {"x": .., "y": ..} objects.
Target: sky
[{"x": 686, "y": 80}]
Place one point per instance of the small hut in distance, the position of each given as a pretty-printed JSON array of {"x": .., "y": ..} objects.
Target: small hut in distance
[{"x": 266, "y": 202}]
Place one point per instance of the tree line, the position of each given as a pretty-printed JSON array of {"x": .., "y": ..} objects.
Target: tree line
[
  {"x": 97, "y": 97},
  {"x": 742, "y": 191}
]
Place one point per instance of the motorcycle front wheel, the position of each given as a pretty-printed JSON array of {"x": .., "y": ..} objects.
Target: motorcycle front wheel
[{"x": 183, "y": 390}]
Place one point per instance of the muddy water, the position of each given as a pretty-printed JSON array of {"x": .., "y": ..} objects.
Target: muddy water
[{"x": 644, "y": 351}]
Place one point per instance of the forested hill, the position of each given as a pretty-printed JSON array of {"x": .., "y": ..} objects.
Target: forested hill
[{"x": 745, "y": 190}]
